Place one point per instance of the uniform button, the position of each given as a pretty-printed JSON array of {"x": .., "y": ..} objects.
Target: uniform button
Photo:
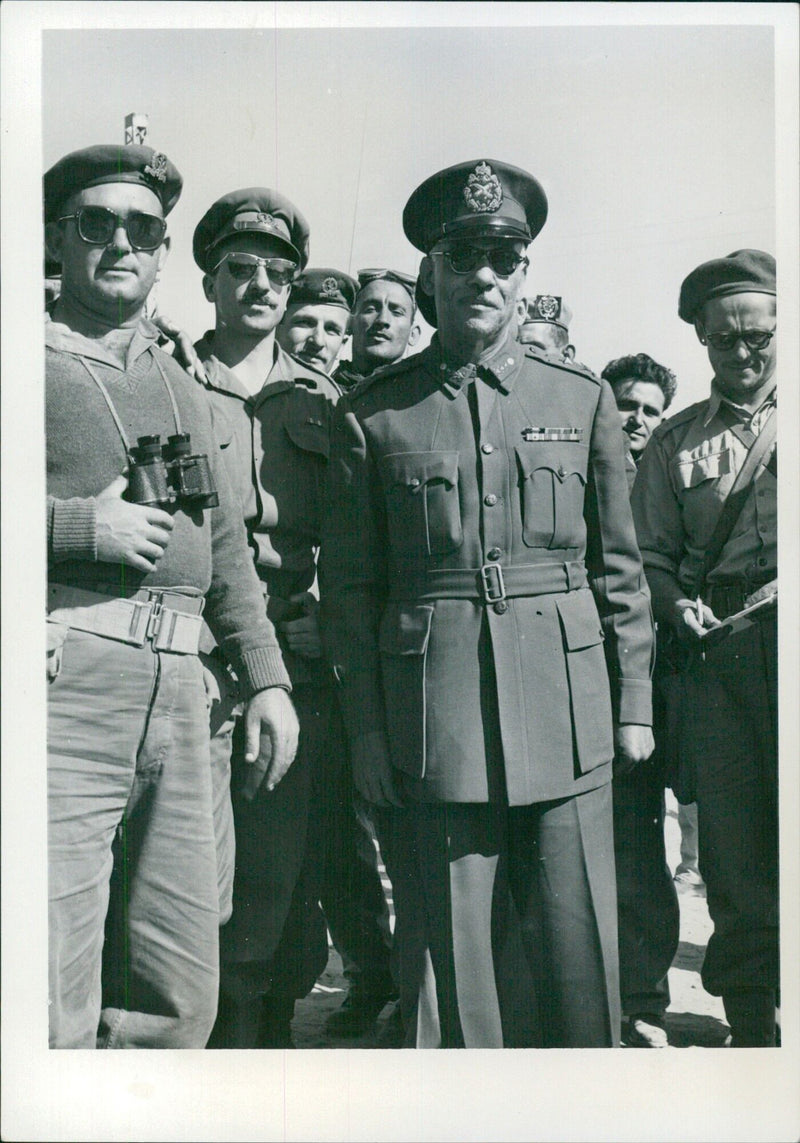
[
  {"x": 414, "y": 482},
  {"x": 490, "y": 500},
  {"x": 561, "y": 470},
  {"x": 501, "y": 608},
  {"x": 494, "y": 554},
  {"x": 762, "y": 561},
  {"x": 487, "y": 448},
  {"x": 509, "y": 361}
]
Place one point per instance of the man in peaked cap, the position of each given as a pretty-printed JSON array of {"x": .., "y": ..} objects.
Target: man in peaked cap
[
  {"x": 382, "y": 324},
  {"x": 544, "y": 322},
  {"x": 316, "y": 324},
  {"x": 134, "y": 552},
  {"x": 273, "y": 415},
  {"x": 704, "y": 501},
  {"x": 487, "y": 616}
]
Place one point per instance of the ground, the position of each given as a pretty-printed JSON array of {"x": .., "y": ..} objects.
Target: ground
[{"x": 694, "y": 1018}]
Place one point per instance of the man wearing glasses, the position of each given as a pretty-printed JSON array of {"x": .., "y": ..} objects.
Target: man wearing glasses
[
  {"x": 481, "y": 583},
  {"x": 382, "y": 324},
  {"x": 139, "y": 537},
  {"x": 704, "y": 502}
]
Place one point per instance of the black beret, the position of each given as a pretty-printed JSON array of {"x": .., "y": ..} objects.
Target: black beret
[
  {"x": 742, "y": 272},
  {"x": 111, "y": 163},
  {"x": 324, "y": 287},
  {"x": 479, "y": 198},
  {"x": 253, "y": 210}
]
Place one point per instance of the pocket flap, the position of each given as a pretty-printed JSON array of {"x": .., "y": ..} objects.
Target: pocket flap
[
  {"x": 562, "y": 460},
  {"x": 699, "y": 468},
  {"x": 416, "y": 469},
  {"x": 310, "y": 434},
  {"x": 579, "y": 620},
  {"x": 406, "y": 628}
]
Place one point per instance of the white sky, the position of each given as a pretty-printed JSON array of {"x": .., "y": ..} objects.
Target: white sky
[{"x": 654, "y": 144}]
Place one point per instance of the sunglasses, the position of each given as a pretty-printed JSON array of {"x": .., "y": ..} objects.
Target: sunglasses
[
  {"x": 367, "y": 276},
  {"x": 503, "y": 260},
  {"x": 97, "y": 227},
  {"x": 753, "y": 339},
  {"x": 243, "y": 268}
]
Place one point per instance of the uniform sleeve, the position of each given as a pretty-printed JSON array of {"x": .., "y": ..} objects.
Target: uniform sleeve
[
  {"x": 615, "y": 569},
  {"x": 656, "y": 511},
  {"x": 352, "y": 570},
  {"x": 71, "y": 529}
]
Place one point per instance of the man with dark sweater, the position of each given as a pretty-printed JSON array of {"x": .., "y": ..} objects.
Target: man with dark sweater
[{"x": 134, "y": 551}]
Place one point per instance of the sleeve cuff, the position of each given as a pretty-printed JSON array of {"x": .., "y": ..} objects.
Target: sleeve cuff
[
  {"x": 652, "y": 559},
  {"x": 261, "y": 668},
  {"x": 636, "y": 701},
  {"x": 74, "y": 529}
]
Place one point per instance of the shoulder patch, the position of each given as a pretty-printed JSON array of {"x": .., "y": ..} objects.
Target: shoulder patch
[{"x": 562, "y": 363}]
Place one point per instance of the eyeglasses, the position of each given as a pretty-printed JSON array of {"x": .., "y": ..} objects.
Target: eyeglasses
[
  {"x": 243, "y": 267},
  {"x": 753, "y": 339},
  {"x": 367, "y": 276},
  {"x": 503, "y": 260},
  {"x": 97, "y": 227}
]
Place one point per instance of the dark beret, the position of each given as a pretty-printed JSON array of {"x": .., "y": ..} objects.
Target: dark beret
[
  {"x": 742, "y": 272},
  {"x": 111, "y": 163},
  {"x": 479, "y": 198},
  {"x": 324, "y": 287},
  {"x": 547, "y": 308},
  {"x": 253, "y": 210}
]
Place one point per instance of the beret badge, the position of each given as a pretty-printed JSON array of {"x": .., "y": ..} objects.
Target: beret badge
[
  {"x": 330, "y": 287},
  {"x": 483, "y": 193},
  {"x": 548, "y": 307},
  {"x": 157, "y": 167}
]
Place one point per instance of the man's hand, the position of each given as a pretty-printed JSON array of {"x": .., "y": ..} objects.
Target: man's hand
[
  {"x": 131, "y": 534},
  {"x": 184, "y": 353},
  {"x": 692, "y": 621},
  {"x": 271, "y": 734},
  {"x": 633, "y": 744},
  {"x": 302, "y": 634},
  {"x": 372, "y": 770}
]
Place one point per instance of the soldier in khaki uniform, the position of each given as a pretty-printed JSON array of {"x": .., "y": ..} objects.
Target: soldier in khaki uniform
[{"x": 488, "y": 618}]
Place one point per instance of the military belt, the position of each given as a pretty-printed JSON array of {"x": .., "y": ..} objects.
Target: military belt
[
  {"x": 170, "y": 618},
  {"x": 492, "y": 583}
]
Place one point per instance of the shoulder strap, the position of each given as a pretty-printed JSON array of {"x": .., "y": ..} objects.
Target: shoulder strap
[{"x": 734, "y": 502}]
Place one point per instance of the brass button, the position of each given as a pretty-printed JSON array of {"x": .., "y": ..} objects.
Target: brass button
[
  {"x": 494, "y": 554},
  {"x": 487, "y": 448},
  {"x": 490, "y": 500},
  {"x": 501, "y": 608}
]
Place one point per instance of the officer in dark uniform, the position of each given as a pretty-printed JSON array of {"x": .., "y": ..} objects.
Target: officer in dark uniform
[{"x": 490, "y": 625}]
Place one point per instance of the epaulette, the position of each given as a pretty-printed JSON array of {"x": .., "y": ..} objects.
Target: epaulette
[
  {"x": 393, "y": 370},
  {"x": 678, "y": 419},
  {"x": 562, "y": 363},
  {"x": 314, "y": 373}
]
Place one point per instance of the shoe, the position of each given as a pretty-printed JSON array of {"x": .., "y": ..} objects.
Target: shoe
[
  {"x": 646, "y": 1030},
  {"x": 357, "y": 1013}
]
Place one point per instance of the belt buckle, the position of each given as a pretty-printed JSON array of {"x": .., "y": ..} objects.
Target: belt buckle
[
  {"x": 156, "y": 617},
  {"x": 494, "y": 588}
]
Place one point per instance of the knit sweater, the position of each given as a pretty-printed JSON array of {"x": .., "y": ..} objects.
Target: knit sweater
[{"x": 207, "y": 550}]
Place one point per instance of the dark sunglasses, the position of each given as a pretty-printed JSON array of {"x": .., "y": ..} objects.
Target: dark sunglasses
[
  {"x": 367, "y": 276},
  {"x": 243, "y": 267},
  {"x": 97, "y": 227},
  {"x": 753, "y": 339},
  {"x": 503, "y": 260}
]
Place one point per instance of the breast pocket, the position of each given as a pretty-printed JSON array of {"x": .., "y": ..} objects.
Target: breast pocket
[
  {"x": 693, "y": 471},
  {"x": 552, "y": 480},
  {"x": 310, "y": 434},
  {"x": 422, "y": 502}
]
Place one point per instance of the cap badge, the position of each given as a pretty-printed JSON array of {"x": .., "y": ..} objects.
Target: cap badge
[
  {"x": 483, "y": 193},
  {"x": 265, "y": 219},
  {"x": 330, "y": 287},
  {"x": 157, "y": 167},
  {"x": 547, "y": 307}
]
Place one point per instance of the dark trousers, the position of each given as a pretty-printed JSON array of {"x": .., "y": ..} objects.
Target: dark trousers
[
  {"x": 647, "y": 903},
  {"x": 466, "y": 877}
]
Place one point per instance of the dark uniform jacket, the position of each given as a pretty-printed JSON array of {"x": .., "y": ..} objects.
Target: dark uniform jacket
[
  {"x": 430, "y": 483},
  {"x": 276, "y": 445}
]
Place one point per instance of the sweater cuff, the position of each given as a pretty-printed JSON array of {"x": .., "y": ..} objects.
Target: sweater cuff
[
  {"x": 636, "y": 701},
  {"x": 261, "y": 668},
  {"x": 74, "y": 529}
]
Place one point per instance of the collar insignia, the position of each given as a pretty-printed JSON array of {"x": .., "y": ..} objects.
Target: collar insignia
[{"x": 483, "y": 193}]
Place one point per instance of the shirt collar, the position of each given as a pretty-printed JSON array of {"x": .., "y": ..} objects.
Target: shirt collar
[
  {"x": 67, "y": 340},
  {"x": 716, "y": 399},
  {"x": 282, "y": 374}
]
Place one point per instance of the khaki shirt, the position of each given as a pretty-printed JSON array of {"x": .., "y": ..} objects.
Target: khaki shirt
[{"x": 684, "y": 477}]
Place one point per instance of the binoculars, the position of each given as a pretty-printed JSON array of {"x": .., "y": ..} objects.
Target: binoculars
[{"x": 164, "y": 474}]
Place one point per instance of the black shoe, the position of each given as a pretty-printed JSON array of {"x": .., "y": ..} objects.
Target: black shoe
[{"x": 357, "y": 1014}]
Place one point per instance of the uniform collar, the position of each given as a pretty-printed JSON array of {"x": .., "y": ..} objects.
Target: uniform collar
[
  {"x": 716, "y": 399},
  {"x": 284, "y": 373},
  {"x": 67, "y": 340},
  {"x": 500, "y": 366}
]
